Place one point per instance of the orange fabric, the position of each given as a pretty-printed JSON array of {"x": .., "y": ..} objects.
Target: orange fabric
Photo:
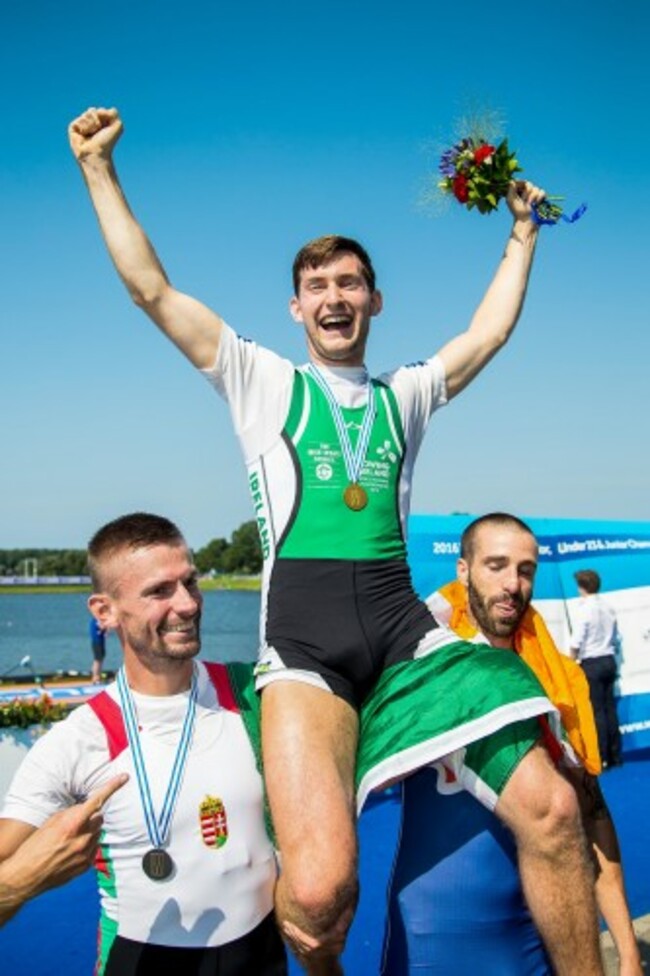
[{"x": 562, "y": 678}]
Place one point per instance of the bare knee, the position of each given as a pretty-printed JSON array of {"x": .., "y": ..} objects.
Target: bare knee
[
  {"x": 317, "y": 893},
  {"x": 309, "y": 742},
  {"x": 322, "y": 899},
  {"x": 558, "y": 814},
  {"x": 316, "y": 920},
  {"x": 541, "y": 807}
]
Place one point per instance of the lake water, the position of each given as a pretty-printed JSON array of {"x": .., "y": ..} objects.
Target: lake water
[{"x": 52, "y": 628}]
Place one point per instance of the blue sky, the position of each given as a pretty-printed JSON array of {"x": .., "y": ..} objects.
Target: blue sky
[{"x": 252, "y": 128}]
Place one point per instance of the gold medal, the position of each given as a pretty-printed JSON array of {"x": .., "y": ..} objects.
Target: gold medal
[{"x": 355, "y": 497}]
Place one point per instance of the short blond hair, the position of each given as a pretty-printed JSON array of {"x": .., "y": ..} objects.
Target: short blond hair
[{"x": 138, "y": 530}]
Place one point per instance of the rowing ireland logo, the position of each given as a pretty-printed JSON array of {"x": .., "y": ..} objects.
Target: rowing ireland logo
[{"x": 386, "y": 452}]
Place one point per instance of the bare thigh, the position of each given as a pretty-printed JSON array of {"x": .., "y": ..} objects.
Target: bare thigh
[{"x": 309, "y": 743}]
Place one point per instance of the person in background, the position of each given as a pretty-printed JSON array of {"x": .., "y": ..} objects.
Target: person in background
[
  {"x": 594, "y": 643},
  {"x": 186, "y": 870},
  {"x": 456, "y": 902},
  {"x": 98, "y": 648}
]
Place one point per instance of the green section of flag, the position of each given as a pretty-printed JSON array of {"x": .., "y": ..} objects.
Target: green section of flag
[
  {"x": 107, "y": 935},
  {"x": 422, "y": 710},
  {"x": 242, "y": 682}
]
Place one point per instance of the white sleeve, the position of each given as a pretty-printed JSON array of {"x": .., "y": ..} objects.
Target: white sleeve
[
  {"x": 616, "y": 634},
  {"x": 257, "y": 385},
  {"x": 439, "y": 607},
  {"x": 420, "y": 388},
  {"x": 55, "y": 772},
  {"x": 580, "y": 628}
]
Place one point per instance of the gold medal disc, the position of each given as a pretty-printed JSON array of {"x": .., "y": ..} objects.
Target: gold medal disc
[{"x": 355, "y": 497}]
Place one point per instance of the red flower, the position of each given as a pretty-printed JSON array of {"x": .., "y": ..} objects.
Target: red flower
[
  {"x": 461, "y": 191},
  {"x": 482, "y": 153}
]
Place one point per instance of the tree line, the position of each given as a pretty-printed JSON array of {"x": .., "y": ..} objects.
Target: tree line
[{"x": 241, "y": 554}]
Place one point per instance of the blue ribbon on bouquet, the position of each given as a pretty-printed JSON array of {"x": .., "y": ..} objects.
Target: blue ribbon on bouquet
[{"x": 548, "y": 221}]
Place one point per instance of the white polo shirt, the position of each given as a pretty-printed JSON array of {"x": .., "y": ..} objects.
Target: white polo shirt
[{"x": 594, "y": 632}]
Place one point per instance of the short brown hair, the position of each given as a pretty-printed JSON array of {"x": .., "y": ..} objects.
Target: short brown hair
[
  {"x": 468, "y": 538},
  {"x": 323, "y": 250},
  {"x": 138, "y": 530},
  {"x": 588, "y": 580}
]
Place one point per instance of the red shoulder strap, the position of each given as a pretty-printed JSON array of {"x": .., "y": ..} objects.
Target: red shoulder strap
[
  {"x": 553, "y": 747},
  {"x": 218, "y": 674},
  {"x": 109, "y": 714}
]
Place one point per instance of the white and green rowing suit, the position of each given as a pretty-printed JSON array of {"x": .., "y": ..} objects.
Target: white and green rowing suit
[
  {"x": 338, "y": 608},
  {"x": 338, "y": 605}
]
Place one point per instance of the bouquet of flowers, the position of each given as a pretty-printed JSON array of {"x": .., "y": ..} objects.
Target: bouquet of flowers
[{"x": 478, "y": 174}]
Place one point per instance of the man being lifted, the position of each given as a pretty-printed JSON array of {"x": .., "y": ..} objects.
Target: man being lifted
[{"x": 330, "y": 454}]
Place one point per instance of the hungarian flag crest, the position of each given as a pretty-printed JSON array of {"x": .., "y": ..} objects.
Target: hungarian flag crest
[{"x": 214, "y": 823}]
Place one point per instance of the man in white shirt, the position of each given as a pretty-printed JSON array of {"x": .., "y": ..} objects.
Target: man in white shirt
[
  {"x": 593, "y": 644},
  {"x": 185, "y": 867}
]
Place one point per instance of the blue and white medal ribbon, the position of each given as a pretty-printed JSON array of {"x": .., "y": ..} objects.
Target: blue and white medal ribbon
[
  {"x": 156, "y": 863},
  {"x": 354, "y": 496}
]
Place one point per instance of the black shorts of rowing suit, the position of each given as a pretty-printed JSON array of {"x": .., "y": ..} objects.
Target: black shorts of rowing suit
[
  {"x": 344, "y": 620},
  {"x": 258, "y": 953}
]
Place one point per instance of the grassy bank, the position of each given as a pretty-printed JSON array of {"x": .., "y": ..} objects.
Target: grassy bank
[
  {"x": 252, "y": 583},
  {"x": 46, "y": 588},
  {"x": 218, "y": 583}
]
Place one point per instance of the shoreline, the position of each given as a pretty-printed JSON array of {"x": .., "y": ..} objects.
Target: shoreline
[{"x": 243, "y": 583}]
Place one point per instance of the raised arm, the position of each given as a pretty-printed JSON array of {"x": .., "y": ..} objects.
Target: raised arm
[
  {"x": 495, "y": 318},
  {"x": 33, "y": 860},
  {"x": 193, "y": 327}
]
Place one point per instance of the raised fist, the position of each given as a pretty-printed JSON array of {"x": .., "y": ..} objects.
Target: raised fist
[{"x": 95, "y": 132}]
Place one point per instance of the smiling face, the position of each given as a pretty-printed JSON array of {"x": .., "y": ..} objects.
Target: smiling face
[
  {"x": 335, "y": 304},
  {"x": 499, "y": 576},
  {"x": 152, "y": 600}
]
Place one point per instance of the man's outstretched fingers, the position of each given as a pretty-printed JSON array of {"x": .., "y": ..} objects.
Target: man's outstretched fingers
[{"x": 95, "y": 802}]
